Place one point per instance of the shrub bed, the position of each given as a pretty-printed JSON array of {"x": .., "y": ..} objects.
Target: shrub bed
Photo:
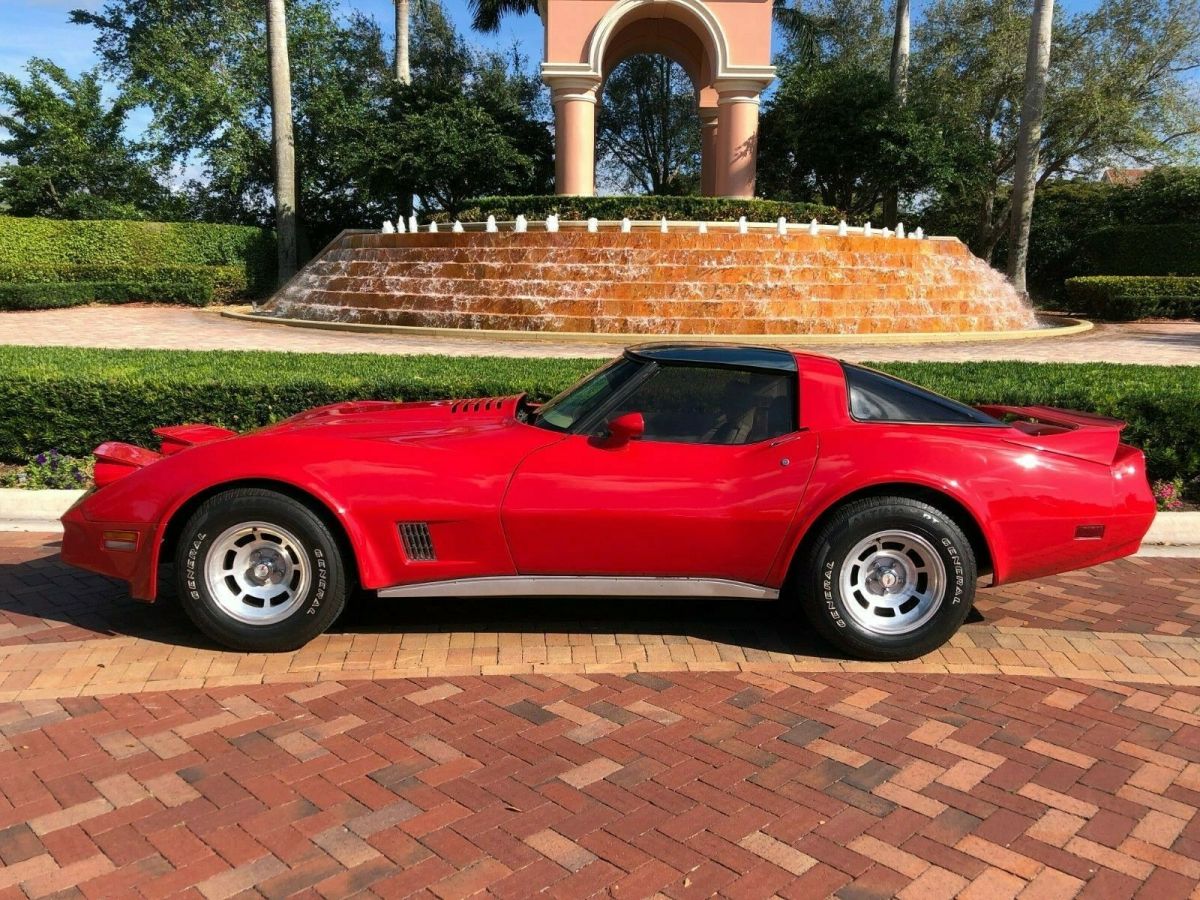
[
  {"x": 220, "y": 284},
  {"x": 34, "y": 250},
  {"x": 1121, "y": 298},
  {"x": 1142, "y": 250},
  {"x": 73, "y": 398},
  {"x": 710, "y": 209}
]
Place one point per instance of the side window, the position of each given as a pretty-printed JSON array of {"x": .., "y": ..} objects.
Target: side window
[
  {"x": 875, "y": 397},
  {"x": 713, "y": 405}
]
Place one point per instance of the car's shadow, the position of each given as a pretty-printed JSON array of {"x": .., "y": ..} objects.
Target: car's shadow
[{"x": 42, "y": 599}]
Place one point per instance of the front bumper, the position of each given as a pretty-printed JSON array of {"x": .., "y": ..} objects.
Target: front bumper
[{"x": 83, "y": 546}]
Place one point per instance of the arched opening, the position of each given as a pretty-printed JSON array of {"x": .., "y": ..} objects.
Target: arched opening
[{"x": 648, "y": 127}]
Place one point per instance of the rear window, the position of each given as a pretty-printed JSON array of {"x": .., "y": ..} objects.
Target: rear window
[{"x": 875, "y": 397}]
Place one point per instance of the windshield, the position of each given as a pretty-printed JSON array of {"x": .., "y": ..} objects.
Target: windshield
[{"x": 574, "y": 404}]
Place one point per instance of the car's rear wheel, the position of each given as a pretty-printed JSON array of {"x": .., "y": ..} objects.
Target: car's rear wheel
[
  {"x": 259, "y": 571},
  {"x": 888, "y": 578}
]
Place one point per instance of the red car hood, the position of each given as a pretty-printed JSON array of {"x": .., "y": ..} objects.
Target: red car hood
[{"x": 381, "y": 419}]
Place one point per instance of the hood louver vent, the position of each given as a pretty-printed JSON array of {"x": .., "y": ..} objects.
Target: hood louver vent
[
  {"x": 418, "y": 542},
  {"x": 474, "y": 406}
]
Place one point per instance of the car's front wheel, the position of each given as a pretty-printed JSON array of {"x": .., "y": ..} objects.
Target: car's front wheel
[
  {"x": 888, "y": 578},
  {"x": 259, "y": 571}
]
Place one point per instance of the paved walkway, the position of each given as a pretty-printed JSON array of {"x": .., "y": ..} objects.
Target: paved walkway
[
  {"x": 193, "y": 329},
  {"x": 668, "y": 749}
]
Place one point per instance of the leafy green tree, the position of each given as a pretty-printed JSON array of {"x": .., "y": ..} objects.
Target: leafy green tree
[
  {"x": 647, "y": 127},
  {"x": 68, "y": 154},
  {"x": 837, "y": 135},
  {"x": 1117, "y": 89}
]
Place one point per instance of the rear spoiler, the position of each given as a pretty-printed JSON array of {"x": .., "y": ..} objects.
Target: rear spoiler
[
  {"x": 1067, "y": 431},
  {"x": 180, "y": 437},
  {"x": 115, "y": 459}
]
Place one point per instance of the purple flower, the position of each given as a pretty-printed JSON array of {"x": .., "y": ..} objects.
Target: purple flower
[{"x": 40, "y": 459}]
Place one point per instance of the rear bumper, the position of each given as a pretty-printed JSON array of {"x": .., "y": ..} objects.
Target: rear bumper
[
  {"x": 83, "y": 546},
  {"x": 1057, "y": 548}
]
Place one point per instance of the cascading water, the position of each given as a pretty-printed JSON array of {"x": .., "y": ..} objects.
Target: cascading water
[{"x": 682, "y": 281}]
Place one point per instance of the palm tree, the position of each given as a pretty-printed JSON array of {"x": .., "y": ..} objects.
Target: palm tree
[
  {"x": 282, "y": 143},
  {"x": 486, "y": 14},
  {"x": 1037, "y": 68},
  {"x": 898, "y": 75},
  {"x": 802, "y": 31}
]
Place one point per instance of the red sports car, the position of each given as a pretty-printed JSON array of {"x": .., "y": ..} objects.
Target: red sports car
[{"x": 675, "y": 470}]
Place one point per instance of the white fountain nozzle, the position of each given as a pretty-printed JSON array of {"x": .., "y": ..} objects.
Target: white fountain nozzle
[
  {"x": 781, "y": 225},
  {"x": 593, "y": 224},
  {"x": 433, "y": 228},
  {"x": 702, "y": 228},
  {"x": 552, "y": 222},
  {"x": 388, "y": 227},
  {"x": 626, "y": 226},
  {"x": 662, "y": 226},
  {"x": 491, "y": 224},
  {"x": 742, "y": 227},
  {"x": 412, "y": 224},
  {"x": 887, "y": 232},
  {"x": 522, "y": 224},
  {"x": 814, "y": 227},
  {"x": 457, "y": 227},
  {"x": 400, "y": 229},
  {"x": 920, "y": 233},
  {"x": 899, "y": 229},
  {"x": 866, "y": 229},
  {"x": 843, "y": 230}
]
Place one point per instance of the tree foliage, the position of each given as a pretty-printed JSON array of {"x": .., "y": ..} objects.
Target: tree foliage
[
  {"x": 647, "y": 128},
  {"x": 68, "y": 154}
]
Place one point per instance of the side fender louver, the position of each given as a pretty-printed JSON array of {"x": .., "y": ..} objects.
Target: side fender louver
[{"x": 418, "y": 542}]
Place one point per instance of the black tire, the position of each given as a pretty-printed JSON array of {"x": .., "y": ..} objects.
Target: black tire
[
  {"x": 316, "y": 563},
  {"x": 826, "y": 569}
]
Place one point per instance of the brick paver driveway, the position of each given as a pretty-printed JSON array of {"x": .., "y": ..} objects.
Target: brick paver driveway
[
  {"x": 168, "y": 327},
  {"x": 629, "y": 750}
]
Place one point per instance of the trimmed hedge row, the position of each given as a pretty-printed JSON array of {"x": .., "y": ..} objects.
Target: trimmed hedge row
[
  {"x": 72, "y": 399},
  {"x": 42, "y": 286},
  {"x": 710, "y": 209},
  {"x": 1142, "y": 250},
  {"x": 1121, "y": 298},
  {"x": 33, "y": 247},
  {"x": 196, "y": 291}
]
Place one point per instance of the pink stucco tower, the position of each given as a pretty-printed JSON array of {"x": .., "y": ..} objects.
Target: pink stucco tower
[{"x": 723, "y": 45}]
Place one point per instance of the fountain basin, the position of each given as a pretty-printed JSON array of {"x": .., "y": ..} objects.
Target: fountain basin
[{"x": 653, "y": 283}]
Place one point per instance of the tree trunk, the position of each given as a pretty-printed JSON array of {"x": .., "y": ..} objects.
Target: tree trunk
[
  {"x": 402, "y": 14},
  {"x": 1037, "y": 67},
  {"x": 282, "y": 142},
  {"x": 899, "y": 78}
]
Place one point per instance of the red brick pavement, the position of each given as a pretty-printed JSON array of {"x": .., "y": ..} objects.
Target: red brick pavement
[
  {"x": 43, "y": 600},
  {"x": 684, "y": 784}
]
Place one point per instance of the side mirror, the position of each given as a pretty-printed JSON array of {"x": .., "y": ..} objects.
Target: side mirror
[{"x": 626, "y": 428}]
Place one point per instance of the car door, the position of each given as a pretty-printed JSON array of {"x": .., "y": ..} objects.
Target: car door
[{"x": 708, "y": 491}]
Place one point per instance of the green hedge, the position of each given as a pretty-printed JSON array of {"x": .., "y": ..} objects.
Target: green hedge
[
  {"x": 1141, "y": 250},
  {"x": 72, "y": 399},
  {"x": 36, "y": 245},
  {"x": 196, "y": 291},
  {"x": 1121, "y": 298},
  {"x": 710, "y": 209},
  {"x": 196, "y": 285}
]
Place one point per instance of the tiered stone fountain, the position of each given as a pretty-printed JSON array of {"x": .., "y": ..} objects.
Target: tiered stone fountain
[{"x": 654, "y": 279}]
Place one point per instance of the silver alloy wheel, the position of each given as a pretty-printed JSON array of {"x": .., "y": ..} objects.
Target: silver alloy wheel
[
  {"x": 892, "y": 582},
  {"x": 257, "y": 573}
]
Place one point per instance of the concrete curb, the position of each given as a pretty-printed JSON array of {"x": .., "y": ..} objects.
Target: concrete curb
[{"x": 22, "y": 510}]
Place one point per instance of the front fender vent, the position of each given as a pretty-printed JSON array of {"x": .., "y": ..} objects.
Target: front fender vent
[{"x": 418, "y": 542}]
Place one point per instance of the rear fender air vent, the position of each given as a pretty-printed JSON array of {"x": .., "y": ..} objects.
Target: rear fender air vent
[{"x": 418, "y": 542}]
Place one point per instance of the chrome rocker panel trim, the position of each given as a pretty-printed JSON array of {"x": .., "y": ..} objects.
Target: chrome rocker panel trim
[{"x": 582, "y": 586}]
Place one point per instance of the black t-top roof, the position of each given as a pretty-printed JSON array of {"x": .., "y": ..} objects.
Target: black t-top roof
[{"x": 727, "y": 355}]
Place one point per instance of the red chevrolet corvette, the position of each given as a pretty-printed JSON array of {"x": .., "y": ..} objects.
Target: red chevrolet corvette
[{"x": 675, "y": 470}]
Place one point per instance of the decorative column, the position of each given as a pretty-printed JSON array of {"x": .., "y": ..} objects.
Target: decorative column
[
  {"x": 574, "y": 100},
  {"x": 737, "y": 136},
  {"x": 708, "y": 151}
]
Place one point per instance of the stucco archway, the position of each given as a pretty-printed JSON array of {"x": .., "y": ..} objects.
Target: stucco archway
[{"x": 724, "y": 45}]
